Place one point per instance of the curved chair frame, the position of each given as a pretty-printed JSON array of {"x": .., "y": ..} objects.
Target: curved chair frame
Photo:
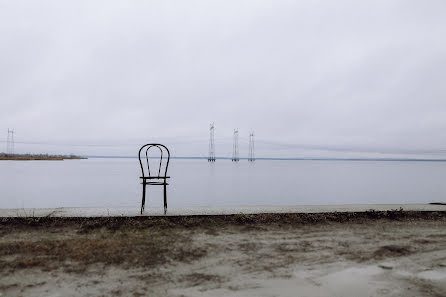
[{"x": 150, "y": 179}]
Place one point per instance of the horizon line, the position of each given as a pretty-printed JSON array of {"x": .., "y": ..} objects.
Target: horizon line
[{"x": 276, "y": 158}]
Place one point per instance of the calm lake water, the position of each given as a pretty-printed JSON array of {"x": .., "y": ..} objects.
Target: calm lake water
[{"x": 115, "y": 182}]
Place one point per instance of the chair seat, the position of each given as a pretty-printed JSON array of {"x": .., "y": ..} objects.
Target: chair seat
[
  {"x": 156, "y": 183},
  {"x": 154, "y": 177}
]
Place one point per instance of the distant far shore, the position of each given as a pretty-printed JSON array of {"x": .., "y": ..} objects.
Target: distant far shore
[
  {"x": 280, "y": 159},
  {"x": 33, "y": 157}
]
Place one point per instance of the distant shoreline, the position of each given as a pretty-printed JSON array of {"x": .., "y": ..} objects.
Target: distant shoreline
[
  {"x": 282, "y": 159},
  {"x": 45, "y": 157}
]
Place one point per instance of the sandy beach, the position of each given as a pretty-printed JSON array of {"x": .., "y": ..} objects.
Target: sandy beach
[{"x": 374, "y": 253}]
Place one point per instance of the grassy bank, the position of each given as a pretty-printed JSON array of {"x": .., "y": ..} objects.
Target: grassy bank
[
  {"x": 229, "y": 255},
  {"x": 221, "y": 220}
]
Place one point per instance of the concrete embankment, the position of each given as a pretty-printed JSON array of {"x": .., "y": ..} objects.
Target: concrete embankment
[{"x": 134, "y": 211}]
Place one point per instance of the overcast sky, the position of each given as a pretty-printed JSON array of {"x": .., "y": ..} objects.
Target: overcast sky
[{"x": 310, "y": 78}]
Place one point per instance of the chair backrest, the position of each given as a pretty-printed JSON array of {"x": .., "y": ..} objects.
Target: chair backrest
[{"x": 144, "y": 153}]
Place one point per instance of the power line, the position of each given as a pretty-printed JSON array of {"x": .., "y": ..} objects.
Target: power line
[{"x": 10, "y": 142}]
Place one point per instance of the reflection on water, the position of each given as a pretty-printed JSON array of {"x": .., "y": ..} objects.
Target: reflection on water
[{"x": 115, "y": 182}]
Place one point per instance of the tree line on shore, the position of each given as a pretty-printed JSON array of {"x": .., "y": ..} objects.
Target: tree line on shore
[{"x": 4, "y": 156}]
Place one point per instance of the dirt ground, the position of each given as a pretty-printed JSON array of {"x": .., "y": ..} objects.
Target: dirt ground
[{"x": 393, "y": 253}]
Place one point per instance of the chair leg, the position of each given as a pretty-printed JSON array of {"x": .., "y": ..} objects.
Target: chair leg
[
  {"x": 143, "y": 202},
  {"x": 165, "y": 200}
]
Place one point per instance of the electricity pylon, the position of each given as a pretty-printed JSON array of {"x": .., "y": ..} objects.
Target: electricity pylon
[
  {"x": 251, "y": 157},
  {"x": 10, "y": 142},
  {"x": 211, "y": 157},
  {"x": 235, "y": 157}
]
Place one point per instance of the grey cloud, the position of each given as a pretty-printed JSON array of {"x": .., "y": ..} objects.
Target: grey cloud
[{"x": 314, "y": 76}]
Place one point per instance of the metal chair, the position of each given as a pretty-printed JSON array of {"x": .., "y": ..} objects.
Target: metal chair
[{"x": 157, "y": 179}]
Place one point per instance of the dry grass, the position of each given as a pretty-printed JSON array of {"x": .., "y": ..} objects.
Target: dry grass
[
  {"x": 151, "y": 241},
  {"x": 114, "y": 223},
  {"x": 143, "y": 247},
  {"x": 148, "y": 256}
]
